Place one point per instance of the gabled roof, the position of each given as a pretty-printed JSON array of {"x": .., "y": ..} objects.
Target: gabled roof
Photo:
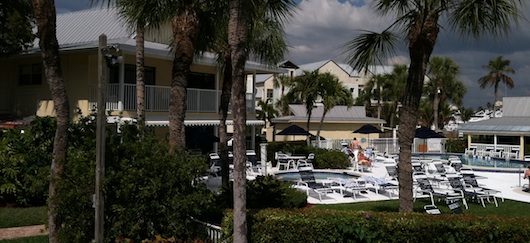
[
  {"x": 339, "y": 114},
  {"x": 317, "y": 65}
]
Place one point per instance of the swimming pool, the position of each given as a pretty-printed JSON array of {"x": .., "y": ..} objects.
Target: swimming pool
[
  {"x": 319, "y": 175},
  {"x": 482, "y": 162}
]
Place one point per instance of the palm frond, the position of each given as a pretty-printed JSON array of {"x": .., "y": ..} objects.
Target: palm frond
[
  {"x": 370, "y": 48},
  {"x": 477, "y": 18}
]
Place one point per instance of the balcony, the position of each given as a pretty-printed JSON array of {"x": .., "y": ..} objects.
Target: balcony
[{"x": 157, "y": 99}]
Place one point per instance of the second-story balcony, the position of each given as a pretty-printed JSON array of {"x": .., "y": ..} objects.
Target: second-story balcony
[{"x": 157, "y": 99}]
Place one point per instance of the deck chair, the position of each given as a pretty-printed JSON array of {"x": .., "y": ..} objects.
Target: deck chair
[
  {"x": 432, "y": 209},
  {"x": 417, "y": 168},
  {"x": 381, "y": 184},
  {"x": 392, "y": 171},
  {"x": 456, "y": 183},
  {"x": 456, "y": 164},
  {"x": 471, "y": 180},
  {"x": 425, "y": 187},
  {"x": 308, "y": 183}
]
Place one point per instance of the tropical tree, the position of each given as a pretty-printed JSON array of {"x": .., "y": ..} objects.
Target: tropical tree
[
  {"x": 16, "y": 19},
  {"x": 332, "y": 93},
  {"x": 238, "y": 40},
  {"x": 305, "y": 89},
  {"x": 499, "y": 68},
  {"x": 442, "y": 71},
  {"x": 466, "y": 113},
  {"x": 420, "y": 21},
  {"x": 265, "y": 42},
  {"x": 281, "y": 81},
  {"x": 46, "y": 20},
  {"x": 266, "y": 111},
  {"x": 394, "y": 89}
]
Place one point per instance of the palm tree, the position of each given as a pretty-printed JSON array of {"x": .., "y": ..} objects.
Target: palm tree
[
  {"x": 238, "y": 41},
  {"x": 46, "y": 21},
  {"x": 267, "y": 111},
  {"x": 498, "y": 69},
  {"x": 265, "y": 42},
  {"x": 394, "y": 89},
  {"x": 281, "y": 80},
  {"x": 419, "y": 19},
  {"x": 442, "y": 70},
  {"x": 466, "y": 113},
  {"x": 305, "y": 89},
  {"x": 332, "y": 93},
  {"x": 139, "y": 15}
]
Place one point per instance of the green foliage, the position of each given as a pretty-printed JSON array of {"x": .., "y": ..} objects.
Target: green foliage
[
  {"x": 148, "y": 191},
  {"x": 33, "y": 239},
  {"x": 324, "y": 158},
  {"x": 16, "y": 20},
  {"x": 263, "y": 192},
  {"x": 25, "y": 159},
  {"x": 456, "y": 145},
  {"x": 272, "y": 225}
]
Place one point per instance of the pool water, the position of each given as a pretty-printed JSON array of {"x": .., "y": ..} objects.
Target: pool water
[
  {"x": 485, "y": 162},
  {"x": 319, "y": 175}
]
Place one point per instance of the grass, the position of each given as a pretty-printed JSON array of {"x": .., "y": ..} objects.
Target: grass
[
  {"x": 506, "y": 208},
  {"x": 33, "y": 239},
  {"x": 15, "y": 217}
]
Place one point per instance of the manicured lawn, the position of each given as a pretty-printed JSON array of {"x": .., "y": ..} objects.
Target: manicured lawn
[
  {"x": 33, "y": 239},
  {"x": 14, "y": 217},
  {"x": 506, "y": 208}
]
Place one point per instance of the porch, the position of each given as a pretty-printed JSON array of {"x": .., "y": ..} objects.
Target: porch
[{"x": 122, "y": 97}]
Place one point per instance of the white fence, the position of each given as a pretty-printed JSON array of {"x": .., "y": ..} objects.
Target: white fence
[{"x": 389, "y": 145}]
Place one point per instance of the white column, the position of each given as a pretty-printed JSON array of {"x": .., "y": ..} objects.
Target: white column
[{"x": 263, "y": 152}]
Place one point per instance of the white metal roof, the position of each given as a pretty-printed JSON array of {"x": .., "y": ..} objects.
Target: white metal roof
[{"x": 340, "y": 114}]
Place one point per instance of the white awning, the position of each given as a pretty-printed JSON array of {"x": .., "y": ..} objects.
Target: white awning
[{"x": 189, "y": 121}]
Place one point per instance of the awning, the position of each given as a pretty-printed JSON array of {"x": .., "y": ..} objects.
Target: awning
[{"x": 189, "y": 121}]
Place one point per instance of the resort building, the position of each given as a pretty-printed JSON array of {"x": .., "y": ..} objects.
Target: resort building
[
  {"x": 507, "y": 136},
  {"x": 24, "y": 91},
  {"x": 338, "y": 125}
]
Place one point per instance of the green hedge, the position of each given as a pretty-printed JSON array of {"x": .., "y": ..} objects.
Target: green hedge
[
  {"x": 324, "y": 158},
  {"x": 272, "y": 225},
  {"x": 456, "y": 145}
]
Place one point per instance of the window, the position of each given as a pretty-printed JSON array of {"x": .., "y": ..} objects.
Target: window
[
  {"x": 130, "y": 75},
  {"x": 202, "y": 81},
  {"x": 361, "y": 91},
  {"x": 269, "y": 93},
  {"x": 30, "y": 74}
]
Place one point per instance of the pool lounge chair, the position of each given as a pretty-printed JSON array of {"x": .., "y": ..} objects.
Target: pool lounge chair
[
  {"x": 457, "y": 183},
  {"x": 381, "y": 184},
  {"x": 310, "y": 186},
  {"x": 425, "y": 188},
  {"x": 471, "y": 180}
]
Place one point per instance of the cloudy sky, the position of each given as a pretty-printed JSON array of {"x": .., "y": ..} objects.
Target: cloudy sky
[{"x": 319, "y": 29}]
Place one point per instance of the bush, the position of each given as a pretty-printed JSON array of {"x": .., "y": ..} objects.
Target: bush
[
  {"x": 324, "y": 158},
  {"x": 147, "y": 190},
  {"x": 25, "y": 159},
  {"x": 456, "y": 145},
  {"x": 271, "y": 225}
]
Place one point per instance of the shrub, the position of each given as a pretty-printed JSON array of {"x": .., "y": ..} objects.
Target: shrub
[
  {"x": 272, "y": 225},
  {"x": 324, "y": 158},
  {"x": 456, "y": 145},
  {"x": 148, "y": 191}
]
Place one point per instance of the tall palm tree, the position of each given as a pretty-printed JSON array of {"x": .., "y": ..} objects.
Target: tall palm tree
[
  {"x": 498, "y": 72},
  {"x": 332, "y": 93},
  {"x": 305, "y": 89},
  {"x": 441, "y": 70},
  {"x": 466, "y": 113},
  {"x": 281, "y": 81},
  {"x": 265, "y": 42},
  {"x": 394, "y": 89},
  {"x": 420, "y": 21},
  {"x": 238, "y": 30},
  {"x": 140, "y": 15},
  {"x": 46, "y": 20},
  {"x": 266, "y": 111}
]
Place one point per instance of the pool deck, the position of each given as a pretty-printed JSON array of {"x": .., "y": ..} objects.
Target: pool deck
[{"x": 510, "y": 184}]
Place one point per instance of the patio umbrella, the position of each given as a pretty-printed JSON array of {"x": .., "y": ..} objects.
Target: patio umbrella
[
  {"x": 368, "y": 129},
  {"x": 426, "y": 133},
  {"x": 294, "y": 130}
]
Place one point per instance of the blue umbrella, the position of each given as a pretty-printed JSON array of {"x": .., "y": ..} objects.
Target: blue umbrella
[{"x": 367, "y": 129}]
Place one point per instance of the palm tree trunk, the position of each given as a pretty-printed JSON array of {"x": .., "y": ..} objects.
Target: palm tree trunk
[
  {"x": 421, "y": 43},
  {"x": 140, "y": 79},
  {"x": 226, "y": 93},
  {"x": 185, "y": 29},
  {"x": 45, "y": 15},
  {"x": 320, "y": 126},
  {"x": 436, "y": 105},
  {"x": 237, "y": 39}
]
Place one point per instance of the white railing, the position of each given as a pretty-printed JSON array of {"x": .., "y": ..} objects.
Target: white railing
[
  {"x": 157, "y": 98},
  {"x": 214, "y": 232}
]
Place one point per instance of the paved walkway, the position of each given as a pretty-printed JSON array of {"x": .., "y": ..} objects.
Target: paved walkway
[{"x": 20, "y": 232}]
